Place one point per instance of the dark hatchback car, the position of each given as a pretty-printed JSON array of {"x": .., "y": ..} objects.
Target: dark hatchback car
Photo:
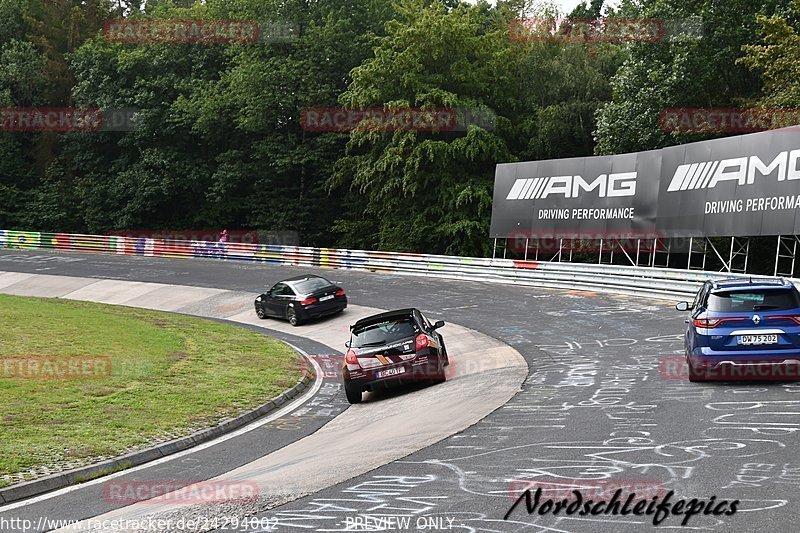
[
  {"x": 743, "y": 330},
  {"x": 301, "y": 298},
  {"x": 392, "y": 348}
]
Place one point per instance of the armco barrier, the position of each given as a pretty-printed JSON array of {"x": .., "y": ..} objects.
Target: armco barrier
[{"x": 655, "y": 282}]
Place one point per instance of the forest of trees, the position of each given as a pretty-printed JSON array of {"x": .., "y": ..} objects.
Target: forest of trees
[{"x": 219, "y": 143}]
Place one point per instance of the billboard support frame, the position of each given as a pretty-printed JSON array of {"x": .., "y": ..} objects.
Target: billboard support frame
[
  {"x": 654, "y": 255},
  {"x": 726, "y": 266},
  {"x": 739, "y": 249},
  {"x": 704, "y": 251},
  {"x": 789, "y": 253},
  {"x": 626, "y": 253}
]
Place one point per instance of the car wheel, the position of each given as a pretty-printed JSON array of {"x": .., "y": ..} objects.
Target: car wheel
[
  {"x": 353, "y": 394},
  {"x": 260, "y": 312},
  {"x": 440, "y": 376},
  {"x": 695, "y": 375},
  {"x": 291, "y": 316}
]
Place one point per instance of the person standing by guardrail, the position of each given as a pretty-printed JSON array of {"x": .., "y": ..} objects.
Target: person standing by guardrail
[{"x": 223, "y": 237}]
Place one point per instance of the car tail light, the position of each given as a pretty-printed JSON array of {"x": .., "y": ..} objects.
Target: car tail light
[
  {"x": 350, "y": 358},
  {"x": 340, "y": 292},
  {"x": 795, "y": 319},
  {"x": 712, "y": 322},
  {"x": 308, "y": 301},
  {"x": 422, "y": 341}
]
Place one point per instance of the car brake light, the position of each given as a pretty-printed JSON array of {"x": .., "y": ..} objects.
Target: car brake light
[
  {"x": 308, "y": 301},
  {"x": 712, "y": 322},
  {"x": 350, "y": 358},
  {"x": 422, "y": 341},
  {"x": 706, "y": 322},
  {"x": 340, "y": 292},
  {"x": 795, "y": 319}
]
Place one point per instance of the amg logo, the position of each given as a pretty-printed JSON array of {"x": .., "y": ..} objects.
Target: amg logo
[
  {"x": 607, "y": 185},
  {"x": 741, "y": 170}
]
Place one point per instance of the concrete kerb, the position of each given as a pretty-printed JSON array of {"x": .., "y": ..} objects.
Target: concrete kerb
[{"x": 43, "y": 485}]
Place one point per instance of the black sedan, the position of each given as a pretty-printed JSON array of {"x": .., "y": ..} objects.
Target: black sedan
[
  {"x": 394, "y": 347},
  {"x": 301, "y": 298}
]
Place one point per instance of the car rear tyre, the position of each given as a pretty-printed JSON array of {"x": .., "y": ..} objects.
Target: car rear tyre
[
  {"x": 260, "y": 312},
  {"x": 291, "y": 316},
  {"x": 440, "y": 376},
  {"x": 353, "y": 394},
  {"x": 696, "y": 375}
]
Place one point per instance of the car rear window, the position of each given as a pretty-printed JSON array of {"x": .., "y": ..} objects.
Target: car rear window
[
  {"x": 753, "y": 300},
  {"x": 384, "y": 332},
  {"x": 311, "y": 285}
]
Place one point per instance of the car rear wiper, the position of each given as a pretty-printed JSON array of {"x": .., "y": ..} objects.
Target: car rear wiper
[
  {"x": 375, "y": 343},
  {"x": 764, "y": 307}
]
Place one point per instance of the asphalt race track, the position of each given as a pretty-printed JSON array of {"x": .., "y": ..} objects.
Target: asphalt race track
[{"x": 605, "y": 405}]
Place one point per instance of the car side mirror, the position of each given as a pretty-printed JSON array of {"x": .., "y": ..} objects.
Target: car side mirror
[
  {"x": 683, "y": 306},
  {"x": 438, "y": 324},
  {"x": 347, "y": 344}
]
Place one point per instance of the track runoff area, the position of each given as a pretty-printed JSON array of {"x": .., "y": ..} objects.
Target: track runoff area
[{"x": 602, "y": 432}]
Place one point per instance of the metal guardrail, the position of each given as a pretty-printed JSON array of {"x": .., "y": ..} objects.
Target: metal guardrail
[{"x": 642, "y": 281}]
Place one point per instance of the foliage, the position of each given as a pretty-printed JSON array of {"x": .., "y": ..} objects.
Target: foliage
[
  {"x": 218, "y": 140},
  {"x": 778, "y": 59},
  {"x": 681, "y": 72}
]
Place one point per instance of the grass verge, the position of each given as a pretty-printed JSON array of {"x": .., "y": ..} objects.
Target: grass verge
[{"x": 167, "y": 376}]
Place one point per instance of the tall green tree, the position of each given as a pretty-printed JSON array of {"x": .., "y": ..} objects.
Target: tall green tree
[
  {"x": 219, "y": 140},
  {"x": 428, "y": 190},
  {"x": 681, "y": 72},
  {"x": 777, "y": 59}
]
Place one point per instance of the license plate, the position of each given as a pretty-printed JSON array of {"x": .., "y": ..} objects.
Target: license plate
[
  {"x": 324, "y": 298},
  {"x": 753, "y": 340},
  {"x": 392, "y": 372}
]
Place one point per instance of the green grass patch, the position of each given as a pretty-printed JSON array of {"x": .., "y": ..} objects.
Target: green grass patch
[{"x": 169, "y": 376}]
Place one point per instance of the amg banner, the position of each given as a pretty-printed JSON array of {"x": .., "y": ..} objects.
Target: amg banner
[{"x": 747, "y": 185}]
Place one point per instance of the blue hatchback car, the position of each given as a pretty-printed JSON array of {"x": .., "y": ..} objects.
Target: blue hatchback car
[{"x": 743, "y": 329}]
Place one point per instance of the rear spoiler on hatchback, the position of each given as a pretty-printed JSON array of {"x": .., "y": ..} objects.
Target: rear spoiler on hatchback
[{"x": 721, "y": 283}]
